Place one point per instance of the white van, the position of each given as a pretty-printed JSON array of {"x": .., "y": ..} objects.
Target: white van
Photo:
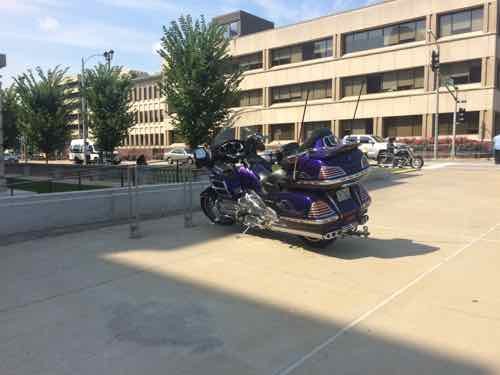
[{"x": 76, "y": 151}]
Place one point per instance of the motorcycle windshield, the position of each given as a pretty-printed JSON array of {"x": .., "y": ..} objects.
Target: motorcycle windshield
[
  {"x": 229, "y": 134},
  {"x": 319, "y": 138}
]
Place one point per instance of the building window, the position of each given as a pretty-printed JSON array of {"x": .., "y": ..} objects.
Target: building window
[
  {"x": 141, "y": 118},
  {"x": 157, "y": 139},
  {"x": 302, "y": 52},
  {"x": 162, "y": 139},
  {"x": 248, "y": 62},
  {"x": 402, "y": 126},
  {"x": 399, "y": 80},
  {"x": 461, "y": 72},
  {"x": 161, "y": 115},
  {"x": 250, "y": 98},
  {"x": 156, "y": 92},
  {"x": 156, "y": 115},
  {"x": 139, "y": 94},
  {"x": 252, "y": 129},
  {"x": 151, "y": 118},
  {"x": 298, "y": 92},
  {"x": 356, "y": 127},
  {"x": 150, "y": 92},
  {"x": 232, "y": 30},
  {"x": 176, "y": 137},
  {"x": 461, "y": 22},
  {"x": 141, "y": 139},
  {"x": 385, "y": 36},
  {"x": 470, "y": 126},
  {"x": 310, "y": 127},
  {"x": 282, "y": 132}
]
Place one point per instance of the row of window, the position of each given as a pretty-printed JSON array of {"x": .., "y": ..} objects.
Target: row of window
[
  {"x": 144, "y": 93},
  {"x": 155, "y": 115},
  {"x": 385, "y": 36},
  {"x": 145, "y": 140},
  {"x": 407, "y": 79},
  {"x": 464, "y": 21},
  {"x": 250, "y": 98},
  {"x": 411, "y": 126},
  {"x": 399, "y": 126},
  {"x": 302, "y": 52},
  {"x": 299, "y": 92}
]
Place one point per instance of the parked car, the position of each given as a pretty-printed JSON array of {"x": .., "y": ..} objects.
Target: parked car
[
  {"x": 10, "y": 156},
  {"x": 371, "y": 145},
  {"x": 180, "y": 154}
]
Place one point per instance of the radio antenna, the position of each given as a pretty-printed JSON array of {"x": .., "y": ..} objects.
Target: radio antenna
[
  {"x": 359, "y": 98},
  {"x": 301, "y": 130}
]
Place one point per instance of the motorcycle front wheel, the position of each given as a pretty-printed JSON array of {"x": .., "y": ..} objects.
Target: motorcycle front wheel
[
  {"x": 318, "y": 244},
  {"x": 209, "y": 206},
  {"x": 417, "y": 162}
]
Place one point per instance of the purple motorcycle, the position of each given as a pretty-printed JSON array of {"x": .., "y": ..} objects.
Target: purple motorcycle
[{"x": 314, "y": 194}]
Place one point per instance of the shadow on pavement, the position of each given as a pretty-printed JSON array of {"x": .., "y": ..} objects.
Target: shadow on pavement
[{"x": 128, "y": 307}]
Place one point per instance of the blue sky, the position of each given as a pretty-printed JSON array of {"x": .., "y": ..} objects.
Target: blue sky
[{"x": 60, "y": 32}]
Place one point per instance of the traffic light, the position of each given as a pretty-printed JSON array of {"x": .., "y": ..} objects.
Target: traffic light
[
  {"x": 435, "y": 60},
  {"x": 461, "y": 115}
]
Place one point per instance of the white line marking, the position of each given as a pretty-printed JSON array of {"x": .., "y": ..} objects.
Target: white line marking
[{"x": 299, "y": 362}]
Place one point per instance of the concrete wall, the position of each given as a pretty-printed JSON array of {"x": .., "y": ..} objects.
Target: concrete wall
[{"x": 58, "y": 210}]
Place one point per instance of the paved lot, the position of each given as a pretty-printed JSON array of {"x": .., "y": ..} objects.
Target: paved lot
[{"x": 420, "y": 297}]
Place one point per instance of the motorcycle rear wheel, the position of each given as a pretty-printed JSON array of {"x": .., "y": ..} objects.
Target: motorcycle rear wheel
[
  {"x": 318, "y": 244},
  {"x": 417, "y": 162}
]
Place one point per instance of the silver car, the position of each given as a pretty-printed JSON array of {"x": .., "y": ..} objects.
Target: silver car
[
  {"x": 180, "y": 154},
  {"x": 10, "y": 157}
]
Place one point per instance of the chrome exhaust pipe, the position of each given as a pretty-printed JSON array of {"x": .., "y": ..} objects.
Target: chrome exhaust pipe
[{"x": 277, "y": 228}]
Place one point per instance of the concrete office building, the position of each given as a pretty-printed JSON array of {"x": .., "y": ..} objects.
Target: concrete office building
[
  {"x": 153, "y": 131},
  {"x": 383, "y": 51},
  {"x": 71, "y": 86}
]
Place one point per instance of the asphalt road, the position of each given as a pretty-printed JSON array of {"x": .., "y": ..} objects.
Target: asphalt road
[{"x": 421, "y": 296}]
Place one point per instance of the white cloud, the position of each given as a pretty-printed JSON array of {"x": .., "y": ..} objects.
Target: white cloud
[
  {"x": 27, "y": 6},
  {"x": 48, "y": 24},
  {"x": 93, "y": 36},
  {"x": 142, "y": 4}
]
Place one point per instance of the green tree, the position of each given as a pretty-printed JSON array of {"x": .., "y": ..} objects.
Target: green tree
[
  {"x": 106, "y": 92},
  {"x": 43, "y": 109},
  {"x": 199, "y": 79},
  {"x": 11, "y": 118}
]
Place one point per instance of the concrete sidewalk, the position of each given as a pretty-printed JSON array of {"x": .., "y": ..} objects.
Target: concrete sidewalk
[{"x": 419, "y": 297}]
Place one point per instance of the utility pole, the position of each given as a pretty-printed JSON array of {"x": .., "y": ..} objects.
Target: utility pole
[
  {"x": 435, "y": 69},
  {"x": 3, "y": 63}
]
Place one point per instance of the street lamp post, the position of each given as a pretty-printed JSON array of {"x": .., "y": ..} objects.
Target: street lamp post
[
  {"x": 108, "y": 55},
  {"x": 3, "y": 63},
  {"x": 436, "y": 115}
]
